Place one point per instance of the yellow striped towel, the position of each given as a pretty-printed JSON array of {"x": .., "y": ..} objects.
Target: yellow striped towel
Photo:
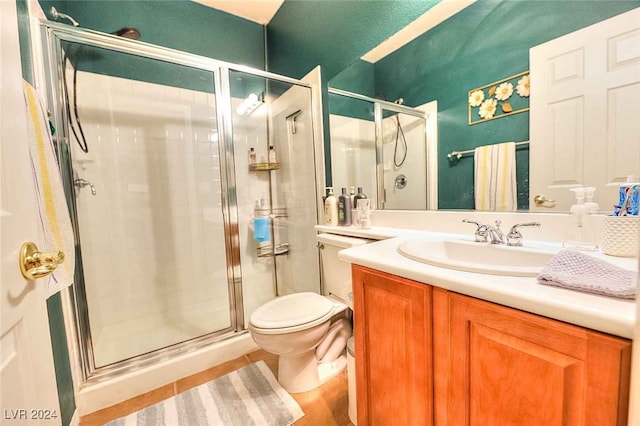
[
  {"x": 495, "y": 177},
  {"x": 57, "y": 233}
]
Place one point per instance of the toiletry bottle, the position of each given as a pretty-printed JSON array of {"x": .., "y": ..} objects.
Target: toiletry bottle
[
  {"x": 352, "y": 193},
  {"x": 592, "y": 206},
  {"x": 358, "y": 196},
  {"x": 331, "y": 209},
  {"x": 272, "y": 154},
  {"x": 579, "y": 234},
  {"x": 344, "y": 208},
  {"x": 634, "y": 197},
  {"x": 252, "y": 157}
]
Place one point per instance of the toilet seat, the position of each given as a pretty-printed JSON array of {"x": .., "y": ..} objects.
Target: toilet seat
[{"x": 291, "y": 313}]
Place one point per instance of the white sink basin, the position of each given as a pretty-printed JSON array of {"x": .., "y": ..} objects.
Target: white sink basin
[{"x": 476, "y": 257}]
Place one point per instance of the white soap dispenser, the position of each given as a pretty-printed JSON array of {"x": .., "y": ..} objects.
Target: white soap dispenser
[
  {"x": 592, "y": 206},
  {"x": 580, "y": 233}
]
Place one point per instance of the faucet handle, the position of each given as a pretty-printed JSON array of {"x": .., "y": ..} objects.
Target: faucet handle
[
  {"x": 481, "y": 232},
  {"x": 514, "y": 237}
]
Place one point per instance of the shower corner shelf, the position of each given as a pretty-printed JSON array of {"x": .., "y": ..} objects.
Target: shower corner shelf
[
  {"x": 272, "y": 213},
  {"x": 268, "y": 251},
  {"x": 263, "y": 167}
]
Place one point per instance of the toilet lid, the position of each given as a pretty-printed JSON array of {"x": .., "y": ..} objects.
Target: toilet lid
[{"x": 291, "y": 310}]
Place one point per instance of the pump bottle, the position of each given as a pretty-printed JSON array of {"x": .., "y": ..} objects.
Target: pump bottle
[
  {"x": 579, "y": 234},
  {"x": 331, "y": 208}
]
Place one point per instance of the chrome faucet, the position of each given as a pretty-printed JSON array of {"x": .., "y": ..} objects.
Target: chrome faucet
[
  {"x": 514, "y": 237},
  {"x": 81, "y": 183},
  {"x": 495, "y": 234},
  {"x": 488, "y": 233},
  {"x": 481, "y": 233}
]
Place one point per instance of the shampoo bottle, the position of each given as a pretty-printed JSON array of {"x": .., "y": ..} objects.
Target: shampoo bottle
[
  {"x": 252, "y": 157},
  {"x": 272, "y": 154},
  {"x": 344, "y": 208},
  {"x": 331, "y": 209},
  {"x": 358, "y": 196}
]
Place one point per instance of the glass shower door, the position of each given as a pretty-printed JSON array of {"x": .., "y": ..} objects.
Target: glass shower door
[
  {"x": 274, "y": 119},
  {"x": 149, "y": 194}
]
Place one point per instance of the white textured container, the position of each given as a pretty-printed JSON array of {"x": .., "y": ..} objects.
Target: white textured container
[{"x": 620, "y": 236}]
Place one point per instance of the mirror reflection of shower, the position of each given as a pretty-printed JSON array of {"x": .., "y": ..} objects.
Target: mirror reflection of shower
[{"x": 370, "y": 144}]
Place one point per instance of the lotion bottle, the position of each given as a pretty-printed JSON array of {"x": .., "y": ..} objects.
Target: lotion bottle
[
  {"x": 344, "y": 208},
  {"x": 331, "y": 209}
]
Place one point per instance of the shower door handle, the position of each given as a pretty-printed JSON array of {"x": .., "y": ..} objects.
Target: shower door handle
[{"x": 34, "y": 264}]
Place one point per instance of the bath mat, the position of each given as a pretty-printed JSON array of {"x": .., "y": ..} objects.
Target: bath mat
[{"x": 250, "y": 395}]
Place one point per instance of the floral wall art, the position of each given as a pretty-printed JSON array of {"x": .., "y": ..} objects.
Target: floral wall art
[{"x": 499, "y": 99}]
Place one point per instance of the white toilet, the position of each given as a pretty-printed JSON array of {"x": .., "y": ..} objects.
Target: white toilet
[{"x": 299, "y": 327}]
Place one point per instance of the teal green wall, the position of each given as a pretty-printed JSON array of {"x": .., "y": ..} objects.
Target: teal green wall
[
  {"x": 64, "y": 381},
  {"x": 486, "y": 42},
  {"x": 177, "y": 24},
  {"x": 333, "y": 34},
  {"x": 62, "y": 365},
  {"x": 359, "y": 78}
]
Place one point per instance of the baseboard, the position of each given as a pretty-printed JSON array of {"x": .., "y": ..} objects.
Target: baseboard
[{"x": 75, "y": 420}]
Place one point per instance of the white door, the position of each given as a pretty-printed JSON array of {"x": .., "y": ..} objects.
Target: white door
[
  {"x": 27, "y": 377},
  {"x": 584, "y": 125}
]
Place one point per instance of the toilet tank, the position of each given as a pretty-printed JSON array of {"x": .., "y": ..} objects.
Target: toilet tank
[{"x": 336, "y": 274}]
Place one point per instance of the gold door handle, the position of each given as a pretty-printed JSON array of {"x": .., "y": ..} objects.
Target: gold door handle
[
  {"x": 35, "y": 264},
  {"x": 542, "y": 201}
]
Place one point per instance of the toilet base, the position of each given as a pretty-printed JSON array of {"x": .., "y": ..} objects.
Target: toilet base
[
  {"x": 329, "y": 370},
  {"x": 301, "y": 372}
]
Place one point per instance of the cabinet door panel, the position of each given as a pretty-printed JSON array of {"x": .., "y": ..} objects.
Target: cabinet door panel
[
  {"x": 509, "y": 367},
  {"x": 392, "y": 320}
]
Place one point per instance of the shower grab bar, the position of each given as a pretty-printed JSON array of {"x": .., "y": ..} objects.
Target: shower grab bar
[{"x": 459, "y": 154}]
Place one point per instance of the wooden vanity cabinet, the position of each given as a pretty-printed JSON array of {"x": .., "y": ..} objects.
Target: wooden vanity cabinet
[
  {"x": 500, "y": 366},
  {"x": 488, "y": 364},
  {"x": 392, "y": 329}
]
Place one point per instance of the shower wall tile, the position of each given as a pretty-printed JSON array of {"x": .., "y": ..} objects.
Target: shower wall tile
[{"x": 151, "y": 237}]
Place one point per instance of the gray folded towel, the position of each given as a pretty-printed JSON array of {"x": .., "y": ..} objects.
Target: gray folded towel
[{"x": 578, "y": 271}]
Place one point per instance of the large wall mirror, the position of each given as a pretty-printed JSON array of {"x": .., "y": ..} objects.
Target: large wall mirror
[{"x": 483, "y": 45}]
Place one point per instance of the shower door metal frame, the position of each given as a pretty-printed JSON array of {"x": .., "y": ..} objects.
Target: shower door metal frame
[
  {"x": 53, "y": 35},
  {"x": 378, "y": 107}
]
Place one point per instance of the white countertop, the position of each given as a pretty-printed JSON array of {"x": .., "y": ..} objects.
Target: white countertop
[{"x": 606, "y": 314}]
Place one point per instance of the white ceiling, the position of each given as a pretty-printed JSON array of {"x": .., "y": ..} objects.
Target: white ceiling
[{"x": 260, "y": 11}]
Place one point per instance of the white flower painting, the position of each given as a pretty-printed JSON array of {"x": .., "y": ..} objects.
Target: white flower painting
[
  {"x": 523, "y": 86},
  {"x": 495, "y": 100},
  {"x": 476, "y": 98},
  {"x": 504, "y": 91},
  {"x": 488, "y": 108}
]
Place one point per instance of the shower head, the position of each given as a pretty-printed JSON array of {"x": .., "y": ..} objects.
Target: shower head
[
  {"x": 127, "y": 32},
  {"x": 57, "y": 15}
]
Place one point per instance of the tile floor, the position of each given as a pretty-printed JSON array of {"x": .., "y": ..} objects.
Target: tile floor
[{"x": 326, "y": 405}]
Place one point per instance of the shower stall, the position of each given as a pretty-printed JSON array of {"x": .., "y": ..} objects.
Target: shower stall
[{"x": 153, "y": 145}]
